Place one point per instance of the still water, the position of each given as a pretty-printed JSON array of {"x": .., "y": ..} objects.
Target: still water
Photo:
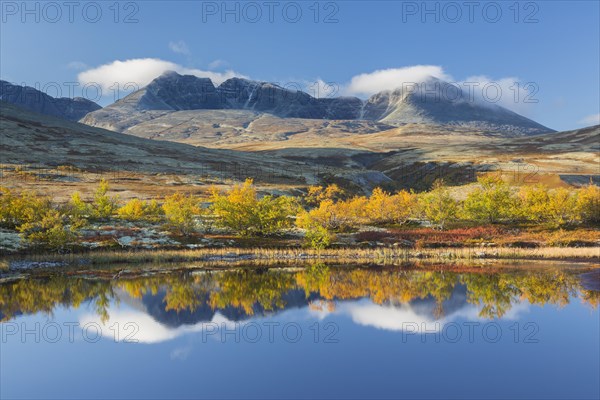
[{"x": 322, "y": 331}]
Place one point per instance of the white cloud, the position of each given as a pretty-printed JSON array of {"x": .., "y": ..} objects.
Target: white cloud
[
  {"x": 388, "y": 79},
  {"x": 593, "y": 119},
  {"x": 509, "y": 92},
  {"x": 137, "y": 326},
  {"x": 141, "y": 71},
  {"x": 181, "y": 353},
  {"x": 217, "y": 63},
  {"x": 403, "y": 316},
  {"x": 390, "y": 318},
  {"x": 179, "y": 47},
  {"x": 406, "y": 316}
]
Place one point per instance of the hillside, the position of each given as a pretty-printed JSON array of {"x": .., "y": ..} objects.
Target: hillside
[
  {"x": 411, "y": 156},
  {"x": 175, "y": 106},
  {"x": 35, "y": 100},
  {"x": 36, "y": 139}
]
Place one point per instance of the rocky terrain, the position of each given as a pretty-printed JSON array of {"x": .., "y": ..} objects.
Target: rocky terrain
[
  {"x": 158, "y": 107},
  {"x": 28, "y": 138},
  {"x": 37, "y": 149},
  {"x": 184, "y": 125},
  {"x": 34, "y": 100},
  {"x": 439, "y": 103}
]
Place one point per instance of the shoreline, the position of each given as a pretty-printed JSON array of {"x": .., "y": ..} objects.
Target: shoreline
[{"x": 341, "y": 255}]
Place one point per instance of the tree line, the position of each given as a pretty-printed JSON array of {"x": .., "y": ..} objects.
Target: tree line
[
  {"x": 495, "y": 294},
  {"x": 320, "y": 213}
]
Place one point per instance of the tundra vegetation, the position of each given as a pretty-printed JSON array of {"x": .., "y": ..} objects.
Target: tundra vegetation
[{"x": 319, "y": 216}]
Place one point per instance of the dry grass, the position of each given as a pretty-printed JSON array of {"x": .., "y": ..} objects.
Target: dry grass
[
  {"x": 559, "y": 238},
  {"x": 503, "y": 236},
  {"x": 127, "y": 185},
  {"x": 236, "y": 255}
]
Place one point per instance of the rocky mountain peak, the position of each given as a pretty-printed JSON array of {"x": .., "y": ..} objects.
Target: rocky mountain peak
[
  {"x": 35, "y": 100},
  {"x": 173, "y": 91},
  {"x": 437, "y": 102},
  {"x": 433, "y": 102}
]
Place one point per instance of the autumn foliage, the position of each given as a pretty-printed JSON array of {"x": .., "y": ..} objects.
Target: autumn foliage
[
  {"x": 321, "y": 214},
  {"x": 241, "y": 210}
]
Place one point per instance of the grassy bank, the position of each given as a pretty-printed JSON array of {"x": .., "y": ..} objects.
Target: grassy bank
[{"x": 235, "y": 255}]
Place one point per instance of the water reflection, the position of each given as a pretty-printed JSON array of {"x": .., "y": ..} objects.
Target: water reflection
[
  {"x": 365, "y": 332},
  {"x": 167, "y": 305}
]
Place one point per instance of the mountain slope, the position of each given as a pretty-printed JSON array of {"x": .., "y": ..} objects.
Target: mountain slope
[
  {"x": 404, "y": 156},
  {"x": 31, "y": 138},
  {"x": 37, "y": 101},
  {"x": 439, "y": 103},
  {"x": 171, "y": 93}
]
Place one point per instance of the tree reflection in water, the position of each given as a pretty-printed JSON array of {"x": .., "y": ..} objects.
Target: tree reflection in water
[{"x": 245, "y": 292}]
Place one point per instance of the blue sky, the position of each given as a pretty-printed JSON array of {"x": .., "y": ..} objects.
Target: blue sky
[{"x": 553, "y": 45}]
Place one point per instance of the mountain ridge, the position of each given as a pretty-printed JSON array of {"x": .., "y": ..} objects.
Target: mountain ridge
[
  {"x": 400, "y": 156},
  {"x": 72, "y": 109},
  {"x": 172, "y": 92}
]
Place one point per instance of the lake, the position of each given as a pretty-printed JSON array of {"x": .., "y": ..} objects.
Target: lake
[{"x": 320, "y": 331}]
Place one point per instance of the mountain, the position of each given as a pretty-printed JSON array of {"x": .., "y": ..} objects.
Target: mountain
[
  {"x": 425, "y": 310},
  {"x": 436, "y": 102},
  {"x": 171, "y": 93},
  {"x": 32, "y": 99},
  {"x": 411, "y": 156},
  {"x": 153, "y": 305},
  {"x": 243, "y": 94},
  {"x": 43, "y": 145},
  {"x": 29, "y": 138}
]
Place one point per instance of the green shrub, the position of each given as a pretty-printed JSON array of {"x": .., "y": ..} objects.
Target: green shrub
[
  {"x": 317, "y": 237},
  {"x": 180, "y": 212},
  {"x": 26, "y": 207},
  {"x": 533, "y": 202},
  {"x": 78, "y": 207},
  {"x": 438, "y": 206},
  {"x": 588, "y": 204},
  {"x": 51, "y": 231},
  {"x": 562, "y": 207},
  {"x": 104, "y": 206},
  {"x": 141, "y": 210},
  {"x": 240, "y": 210},
  {"x": 491, "y": 202}
]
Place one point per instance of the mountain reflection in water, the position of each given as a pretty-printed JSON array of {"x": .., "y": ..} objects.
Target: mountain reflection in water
[{"x": 179, "y": 302}]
